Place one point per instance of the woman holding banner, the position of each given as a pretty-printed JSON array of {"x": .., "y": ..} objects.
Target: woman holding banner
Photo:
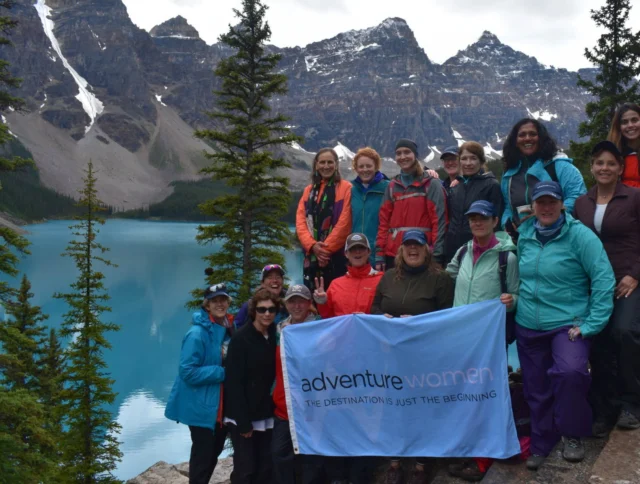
[
  {"x": 612, "y": 211},
  {"x": 484, "y": 268},
  {"x": 414, "y": 286},
  {"x": 566, "y": 297},
  {"x": 625, "y": 133}
]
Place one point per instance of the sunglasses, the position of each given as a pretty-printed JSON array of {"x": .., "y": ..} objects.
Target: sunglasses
[{"x": 262, "y": 310}]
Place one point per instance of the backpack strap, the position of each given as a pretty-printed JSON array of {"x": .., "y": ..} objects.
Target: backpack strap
[
  {"x": 551, "y": 170},
  {"x": 503, "y": 257},
  {"x": 461, "y": 254}
]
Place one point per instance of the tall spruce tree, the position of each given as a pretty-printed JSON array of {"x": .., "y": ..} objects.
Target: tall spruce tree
[
  {"x": 90, "y": 446},
  {"x": 252, "y": 227},
  {"x": 617, "y": 55}
]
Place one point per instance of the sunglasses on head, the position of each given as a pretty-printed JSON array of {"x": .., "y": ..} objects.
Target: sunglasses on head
[{"x": 262, "y": 310}]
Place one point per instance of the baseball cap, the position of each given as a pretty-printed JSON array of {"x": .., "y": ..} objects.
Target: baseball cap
[
  {"x": 415, "y": 236},
  {"x": 547, "y": 188},
  {"x": 449, "y": 150},
  {"x": 272, "y": 267},
  {"x": 482, "y": 207},
  {"x": 606, "y": 146},
  {"x": 216, "y": 290},
  {"x": 356, "y": 239},
  {"x": 298, "y": 290}
]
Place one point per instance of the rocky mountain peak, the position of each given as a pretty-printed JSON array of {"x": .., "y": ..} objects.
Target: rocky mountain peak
[
  {"x": 177, "y": 28},
  {"x": 488, "y": 38}
]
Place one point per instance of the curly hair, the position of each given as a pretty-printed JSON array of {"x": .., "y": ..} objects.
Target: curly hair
[
  {"x": 259, "y": 296},
  {"x": 473, "y": 148},
  {"x": 369, "y": 153},
  {"x": 315, "y": 176},
  {"x": 615, "y": 133},
  {"x": 399, "y": 261},
  {"x": 547, "y": 146}
]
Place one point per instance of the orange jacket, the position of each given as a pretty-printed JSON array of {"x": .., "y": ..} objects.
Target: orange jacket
[
  {"x": 631, "y": 175},
  {"x": 341, "y": 219},
  {"x": 351, "y": 293}
]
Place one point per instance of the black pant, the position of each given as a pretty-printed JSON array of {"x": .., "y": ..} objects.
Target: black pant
[
  {"x": 615, "y": 362},
  {"x": 337, "y": 267},
  {"x": 356, "y": 470},
  {"x": 251, "y": 457},
  {"x": 206, "y": 447},
  {"x": 284, "y": 466}
]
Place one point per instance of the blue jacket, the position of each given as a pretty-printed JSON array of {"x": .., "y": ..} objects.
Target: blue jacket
[
  {"x": 568, "y": 281},
  {"x": 569, "y": 178},
  {"x": 365, "y": 208},
  {"x": 195, "y": 395}
]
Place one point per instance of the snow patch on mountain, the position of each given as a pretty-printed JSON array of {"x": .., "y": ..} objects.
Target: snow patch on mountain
[
  {"x": 159, "y": 99},
  {"x": 344, "y": 153},
  {"x": 458, "y": 137},
  {"x": 90, "y": 103},
  {"x": 541, "y": 114}
]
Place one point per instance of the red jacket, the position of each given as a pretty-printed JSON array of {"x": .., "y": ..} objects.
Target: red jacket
[
  {"x": 420, "y": 205},
  {"x": 631, "y": 175},
  {"x": 351, "y": 293}
]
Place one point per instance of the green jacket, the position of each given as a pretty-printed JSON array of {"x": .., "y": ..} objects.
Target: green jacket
[{"x": 480, "y": 282}]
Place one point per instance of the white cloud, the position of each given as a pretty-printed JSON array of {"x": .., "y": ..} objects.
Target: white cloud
[{"x": 555, "y": 32}]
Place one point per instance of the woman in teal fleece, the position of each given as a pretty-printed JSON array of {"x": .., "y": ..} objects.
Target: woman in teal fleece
[
  {"x": 366, "y": 195},
  {"x": 195, "y": 396},
  {"x": 566, "y": 297},
  {"x": 531, "y": 156}
]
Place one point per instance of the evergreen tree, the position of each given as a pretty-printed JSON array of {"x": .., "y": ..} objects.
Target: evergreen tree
[
  {"x": 251, "y": 227},
  {"x": 617, "y": 55},
  {"x": 90, "y": 447}
]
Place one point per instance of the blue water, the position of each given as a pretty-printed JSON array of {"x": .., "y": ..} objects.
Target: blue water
[{"x": 159, "y": 263}]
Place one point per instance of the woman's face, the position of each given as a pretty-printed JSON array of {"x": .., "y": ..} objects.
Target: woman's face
[
  {"x": 414, "y": 254},
  {"x": 451, "y": 165},
  {"x": 630, "y": 126},
  {"x": 366, "y": 169},
  {"x": 406, "y": 159},
  {"x": 298, "y": 307},
  {"x": 326, "y": 165},
  {"x": 605, "y": 169},
  {"x": 218, "y": 307},
  {"x": 481, "y": 226},
  {"x": 527, "y": 140},
  {"x": 265, "y": 314},
  {"x": 273, "y": 281},
  {"x": 358, "y": 256},
  {"x": 469, "y": 163},
  {"x": 547, "y": 210}
]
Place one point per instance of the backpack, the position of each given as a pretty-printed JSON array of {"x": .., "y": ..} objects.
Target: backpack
[
  {"x": 551, "y": 171},
  {"x": 503, "y": 258}
]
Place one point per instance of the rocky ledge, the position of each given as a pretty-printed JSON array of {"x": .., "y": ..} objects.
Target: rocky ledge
[{"x": 163, "y": 473}]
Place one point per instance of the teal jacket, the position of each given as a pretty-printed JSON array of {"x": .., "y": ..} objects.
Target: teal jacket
[
  {"x": 195, "y": 395},
  {"x": 365, "y": 208},
  {"x": 481, "y": 282},
  {"x": 569, "y": 178},
  {"x": 568, "y": 281}
]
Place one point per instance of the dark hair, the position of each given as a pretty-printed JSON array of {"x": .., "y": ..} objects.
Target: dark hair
[
  {"x": 547, "y": 146},
  {"x": 259, "y": 296},
  {"x": 615, "y": 134},
  {"x": 315, "y": 176}
]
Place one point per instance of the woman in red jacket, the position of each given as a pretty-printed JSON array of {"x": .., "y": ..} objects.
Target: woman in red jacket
[
  {"x": 625, "y": 133},
  {"x": 413, "y": 201},
  {"x": 323, "y": 220}
]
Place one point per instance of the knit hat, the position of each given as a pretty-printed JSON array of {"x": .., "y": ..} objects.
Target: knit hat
[{"x": 407, "y": 143}]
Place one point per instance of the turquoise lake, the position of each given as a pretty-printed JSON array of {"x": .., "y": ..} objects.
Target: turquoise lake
[{"x": 159, "y": 263}]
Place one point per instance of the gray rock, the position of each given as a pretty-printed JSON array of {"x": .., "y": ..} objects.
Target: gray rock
[{"x": 163, "y": 473}]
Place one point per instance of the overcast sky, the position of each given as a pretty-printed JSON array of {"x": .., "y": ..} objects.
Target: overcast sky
[{"x": 554, "y": 31}]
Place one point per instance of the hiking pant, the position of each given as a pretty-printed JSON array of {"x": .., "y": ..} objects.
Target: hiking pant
[
  {"x": 356, "y": 470},
  {"x": 284, "y": 468},
  {"x": 206, "y": 447},
  {"x": 337, "y": 267},
  {"x": 615, "y": 362},
  {"x": 251, "y": 457},
  {"x": 556, "y": 385}
]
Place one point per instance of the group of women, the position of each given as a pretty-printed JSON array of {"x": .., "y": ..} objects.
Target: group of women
[{"x": 564, "y": 261}]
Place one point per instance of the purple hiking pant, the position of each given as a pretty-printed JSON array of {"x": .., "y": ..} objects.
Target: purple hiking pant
[{"x": 556, "y": 384}]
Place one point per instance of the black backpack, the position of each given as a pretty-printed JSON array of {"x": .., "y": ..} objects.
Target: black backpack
[{"x": 503, "y": 258}]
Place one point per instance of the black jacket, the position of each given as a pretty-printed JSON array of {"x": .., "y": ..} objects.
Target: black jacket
[
  {"x": 250, "y": 373},
  {"x": 481, "y": 186}
]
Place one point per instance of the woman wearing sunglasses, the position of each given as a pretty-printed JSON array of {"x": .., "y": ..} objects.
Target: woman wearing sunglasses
[{"x": 250, "y": 373}]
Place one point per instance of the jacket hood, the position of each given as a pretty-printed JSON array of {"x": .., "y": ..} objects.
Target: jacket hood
[
  {"x": 561, "y": 156},
  {"x": 481, "y": 176},
  {"x": 505, "y": 243},
  {"x": 425, "y": 178},
  {"x": 201, "y": 318}
]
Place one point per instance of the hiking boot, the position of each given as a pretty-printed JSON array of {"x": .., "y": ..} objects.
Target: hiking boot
[
  {"x": 601, "y": 429},
  {"x": 573, "y": 450},
  {"x": 534, "y": 461},
  {"x": 394, "y": 476},
  {"x": 418, "y": 477},
  {"x": 457, "y": 465},
  {"x": 628, "y": 421},
  {"x": 469, "y": 471}
]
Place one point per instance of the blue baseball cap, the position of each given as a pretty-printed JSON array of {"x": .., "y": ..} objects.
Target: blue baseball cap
[
  {"x": 414, "y": 236},
  {"x": 216, "y": 290},
  {"x": 482, "y": 207},
  {"x": 450, "y": 150},
  {"x": 547, "y": 188}
]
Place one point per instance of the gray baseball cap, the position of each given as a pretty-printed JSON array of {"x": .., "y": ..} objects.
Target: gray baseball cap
[{"x": 298, "y": 290}]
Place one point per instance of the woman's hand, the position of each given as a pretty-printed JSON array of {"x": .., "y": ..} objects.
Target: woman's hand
[
  {"x": 507, "y": 300},
  {"x": 321, "y": 253},
  {"x": 626, "y": 286},
  {"x": 454, "y": 183},
  {"x": 387, "y": 315},
  {"x": 247, "y": 435},
  {"x": 319, "y": 294},
  {"x": 433, "y": 174},
  {"x": 574, "y": 333},
  {"x": 380, "y": 266}
]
